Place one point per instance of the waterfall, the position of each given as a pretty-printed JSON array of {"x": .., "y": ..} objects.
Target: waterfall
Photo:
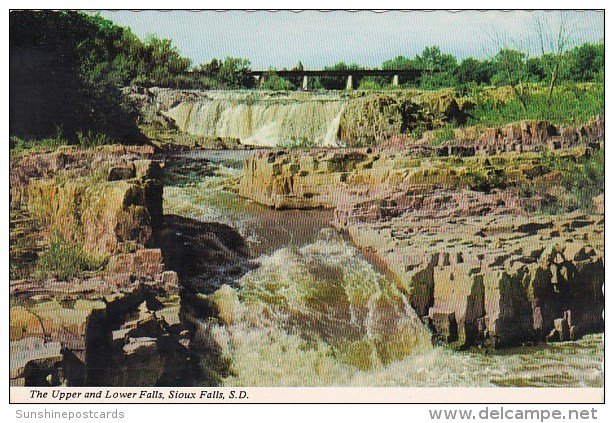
[
  {"x": 316, "y": 313},
  {"x": 263, "y": 121}
]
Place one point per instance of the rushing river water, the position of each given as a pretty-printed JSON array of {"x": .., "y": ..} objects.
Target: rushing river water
[
  {"x": 265, "y": 120},
  {"x": 316, "y": 313}
]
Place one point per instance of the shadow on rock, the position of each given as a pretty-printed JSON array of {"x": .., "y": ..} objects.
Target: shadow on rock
[{"x": 205, "y": 255}]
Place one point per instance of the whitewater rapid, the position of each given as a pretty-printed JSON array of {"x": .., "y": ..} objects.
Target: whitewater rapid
[
  {"x": 270, "y": 122},
  {"x": 316, "y": 313}
]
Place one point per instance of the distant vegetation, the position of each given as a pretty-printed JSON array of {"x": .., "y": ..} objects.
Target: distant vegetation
[
  {"x": 581, "y": 181},
  {"x": 67, "y": 68},
  {"x": 569, "y": 103}
]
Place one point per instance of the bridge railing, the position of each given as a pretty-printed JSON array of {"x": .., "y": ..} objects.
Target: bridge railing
[{"x": 349, "y": 74}]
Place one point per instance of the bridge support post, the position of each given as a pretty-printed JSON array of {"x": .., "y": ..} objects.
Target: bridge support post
[
  {"x": 261, "y": 80},
  {"x": 348, "y": 84},
  {"x": 395, "y": 81},
  {"x": 305, "y": 83}
]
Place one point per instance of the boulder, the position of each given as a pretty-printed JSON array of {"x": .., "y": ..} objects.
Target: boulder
[
  {"x": 118, "y": 173},
  {"x": 461, "y": 293},
  {"x": 73, "y": 324},
  {"x": 508, "y": 312},
  {"x": 24, "y": 324},
  {"x": 140, "y": 364},
  {"x": 35, "y": 361},
  {"x": 114, "y": 212}
]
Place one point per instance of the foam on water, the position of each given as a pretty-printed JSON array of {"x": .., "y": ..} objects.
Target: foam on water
[
  {"x": 315, "y": 315},
  {"x": 266, "y": 122},
  {"x": 320, "y": 315},
  {"x": 205, "y": 199}
]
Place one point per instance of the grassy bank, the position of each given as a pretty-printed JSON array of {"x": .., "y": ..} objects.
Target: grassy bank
[{"x": 570, "y": 104}]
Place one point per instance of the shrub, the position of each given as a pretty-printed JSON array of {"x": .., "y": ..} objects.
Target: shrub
[
  {"x": 299, "y": 142},
  {"x": 580, "y": 181},
  {"x": 276, "y": 83},
  {"x": 570, "y": 104},
  {"x": 92, "y": 139},
  {"x": 586, "y": 180},
  {"x": 485, "y": 180},
  {"x": 442, "y": 135},
  {"x": 64, "y": 260},
  {"x": 370, "y": 83}
]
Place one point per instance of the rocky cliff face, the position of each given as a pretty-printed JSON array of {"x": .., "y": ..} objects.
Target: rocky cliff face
[
  {"x": 127, "y": 320},
  {"x": 522, "y": 137},
  {"x": 356, "y": 181},
  {"x": 499, "y": 280},
  {"x": 119, "y": 324},
  {"x": 476, "y": 266},
  {"x": 115, "y": 203},
  {"x": 274, "y": 119},
  {"x": 112, "y": 329}
]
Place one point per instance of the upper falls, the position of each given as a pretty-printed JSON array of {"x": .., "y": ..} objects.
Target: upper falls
[{"x": 263, "y": 120}]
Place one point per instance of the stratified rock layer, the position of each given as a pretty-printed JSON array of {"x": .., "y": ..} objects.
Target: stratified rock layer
[
  {"x": 118, "y": 325},
  {"x": 498, "y": 280},
  {"x": 474, "y": 265}
]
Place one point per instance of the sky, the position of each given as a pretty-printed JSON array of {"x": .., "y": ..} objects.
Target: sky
[{"x": 283, "y": 38}]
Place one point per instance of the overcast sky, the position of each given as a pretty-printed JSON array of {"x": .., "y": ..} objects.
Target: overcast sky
[{"x": 281, "y": 39}]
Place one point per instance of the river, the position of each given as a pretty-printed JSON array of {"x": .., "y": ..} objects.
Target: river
[{"x": 316, "y": 313}]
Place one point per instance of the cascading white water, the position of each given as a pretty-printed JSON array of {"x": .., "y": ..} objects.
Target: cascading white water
[
  {"x": 263, "y": 121},
  {"x": 315, "y": 315},
  {"x": 318, "y": 314}
]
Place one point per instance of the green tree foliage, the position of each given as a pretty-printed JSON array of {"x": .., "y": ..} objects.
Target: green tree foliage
[
  {"x": 67, "y": 68},
  {"x": 232, "y": 72},
  {"x": 511, "y": 69},
  {"x": 161, "y": 64},
  {"x": 434, "y": 60},
  {"x": 585, "y": 63},
  {"x": 398, "y": 63},
  {"x": 62, "y": 76},
  {"x": 474, "y": 71},
  {"x": 438, "y": 68},
  {"x": 297, "y": 81},
  {"x": 339, "y": 82},
  {"x": 276, "y": 83}
]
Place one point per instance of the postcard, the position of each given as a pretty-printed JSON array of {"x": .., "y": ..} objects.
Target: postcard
[{"x": 307, "y": 206}]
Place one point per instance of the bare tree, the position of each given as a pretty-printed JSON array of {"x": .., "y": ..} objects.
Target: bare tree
[
  {"x": 555, "y": 34},
  {"x": 511, "y": 58}
]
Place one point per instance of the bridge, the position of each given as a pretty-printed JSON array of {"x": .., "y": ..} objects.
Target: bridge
[
  {"x": 349, "y": 74},
  {"x": 411, "y": 74}
]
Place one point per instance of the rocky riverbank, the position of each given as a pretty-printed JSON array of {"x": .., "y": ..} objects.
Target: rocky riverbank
[
  {"x": 95, "y": 267},
  {"x": 220, "y": 119},
  {"x": 186, "y": 119},
  {"x": 458, "y": 234}
]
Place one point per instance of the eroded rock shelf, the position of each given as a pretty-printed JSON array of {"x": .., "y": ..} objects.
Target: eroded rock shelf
[{"x": 455, "y": 235}]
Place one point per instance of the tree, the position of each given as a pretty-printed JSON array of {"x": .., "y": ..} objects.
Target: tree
[
  {"x": 338, "y": 82},
  {"x": 398, "y": 63},
  {"x": 585, "y": 63},
  {"x": 162, "y": 62},
  {"x": 472, "y": 70},
  {"x": 432, "y": 60},
  {"x": 235, "y": 73},
  {"x": 554, "y": 36},
  {"x": 297, "y": 81},
  {"x": 437, "y": 68},
  {"x": 276, "y": 83},
  {"x": 60, "y": 67},
  {"x": 511, "y": 69},
  {"x": 232, "y": 72}
]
